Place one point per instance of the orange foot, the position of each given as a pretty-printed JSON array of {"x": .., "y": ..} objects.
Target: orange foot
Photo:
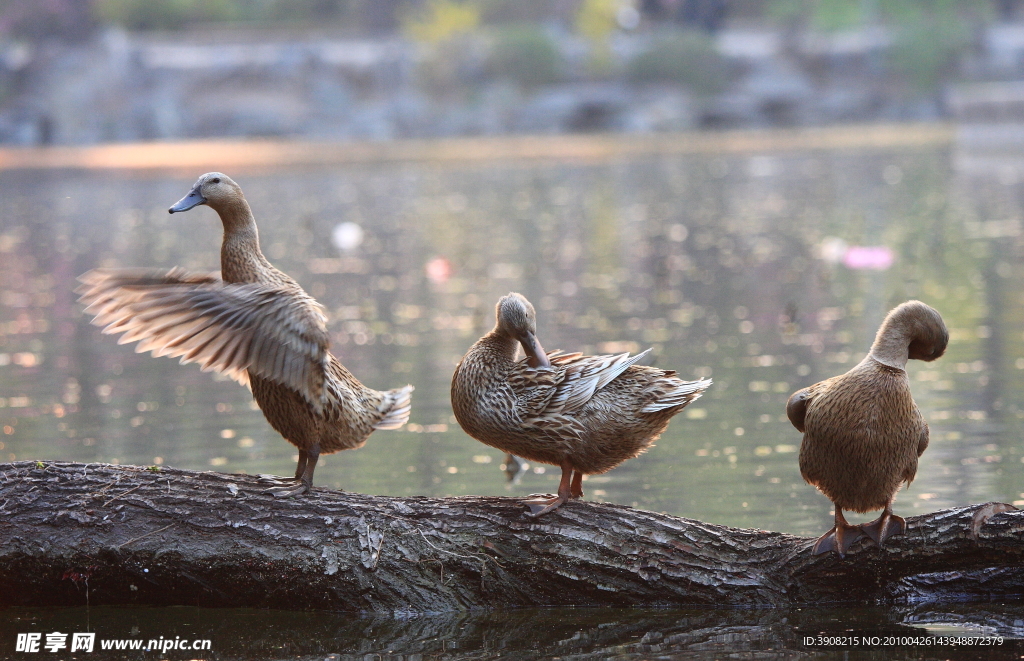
[{"x": 840, "y": 538}]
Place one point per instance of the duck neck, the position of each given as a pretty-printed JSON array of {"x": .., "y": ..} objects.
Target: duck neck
[
  {"x": 241, "y": 259},
  {"x": 891, "y": 346},
  {"x": 501, "y": 345}
]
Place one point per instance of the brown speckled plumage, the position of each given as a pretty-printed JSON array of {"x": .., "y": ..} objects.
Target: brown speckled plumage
[
  {"x": 254, "y": 324},
  {"x": 586, "y": 414},
  {"x": 863, "y": 433}
]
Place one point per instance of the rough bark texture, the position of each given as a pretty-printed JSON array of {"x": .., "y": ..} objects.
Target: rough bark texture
[{"x": 73, "y": 533}]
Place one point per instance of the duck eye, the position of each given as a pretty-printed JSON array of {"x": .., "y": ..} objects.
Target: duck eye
[{"x": 215, "y": 180}]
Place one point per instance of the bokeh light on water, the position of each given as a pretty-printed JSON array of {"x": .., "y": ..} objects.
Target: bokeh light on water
[{"x": 735, "y": 266}]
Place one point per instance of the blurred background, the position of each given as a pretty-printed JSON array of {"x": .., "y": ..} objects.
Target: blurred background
[
  {"x": 88, "y": 71},
  {"x": 746, "y": 187}
]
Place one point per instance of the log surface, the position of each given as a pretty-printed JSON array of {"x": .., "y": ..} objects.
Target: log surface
[{"x": 72, "y": 534}]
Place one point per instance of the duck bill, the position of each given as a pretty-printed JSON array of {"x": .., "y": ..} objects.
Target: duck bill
[
  {"x": 193, "y": 199},
  {"x": 536, "y": 357}
]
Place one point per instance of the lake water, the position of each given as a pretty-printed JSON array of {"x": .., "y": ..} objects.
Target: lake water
[
  {"x": 766, "y": 271},
  {"x": 580, "y": 634}
]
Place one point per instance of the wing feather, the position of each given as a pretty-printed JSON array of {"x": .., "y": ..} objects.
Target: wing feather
[
  {"x": 549, "y": 396},
  {"x": 278, "y": 333}
]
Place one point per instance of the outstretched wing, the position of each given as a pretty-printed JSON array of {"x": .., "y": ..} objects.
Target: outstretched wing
[{"x": 277, "y": 333}]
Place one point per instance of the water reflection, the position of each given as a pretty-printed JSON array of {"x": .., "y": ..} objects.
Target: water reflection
[
  {"x": 725, "y": 265},
  {"x": 535, "y": 633}
]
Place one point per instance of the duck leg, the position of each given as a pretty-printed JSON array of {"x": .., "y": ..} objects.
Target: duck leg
[
  {"x": 277, "y": 481},
  {"x": 839, "y": 538},
  {"x": 885, "y": 526},
  {"x": 576, "y": 488},
  {"x": 543, "y": 505},
  {"x": 304, "y": 474}
]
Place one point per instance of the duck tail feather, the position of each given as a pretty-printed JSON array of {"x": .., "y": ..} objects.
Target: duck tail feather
[
  {"x": 401, "y": 407},
  {"x": 680, "y": 396}
]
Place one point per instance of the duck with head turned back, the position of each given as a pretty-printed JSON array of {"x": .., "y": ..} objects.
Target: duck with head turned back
[
  {"x": 584, "y": 414},
  {"x": 253, "y": 323},
  {"x": 863, "y": 433}
]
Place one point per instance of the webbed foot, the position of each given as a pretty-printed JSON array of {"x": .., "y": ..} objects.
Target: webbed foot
[
  {"x": 885, "y": 526},
  {"x": 275, "y": 480},
  {"x": 289, "y": 490},
  {"x": 839, "y": 539},
  {"x": 543, "y": 504}
]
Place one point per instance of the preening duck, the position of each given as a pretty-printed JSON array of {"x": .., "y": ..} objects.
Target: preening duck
[
  {"x": 863, "y": 433},
  {"x": 585, "y": 414}
]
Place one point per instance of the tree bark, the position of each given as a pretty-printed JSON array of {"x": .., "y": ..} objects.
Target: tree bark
[{"x": 72, "y": 534}]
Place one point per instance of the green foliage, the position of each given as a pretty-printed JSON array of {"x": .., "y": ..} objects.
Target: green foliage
[
  {"x": 442, "y": 20},
  {"x": 926, "y": 53},
  {"x": 527, "y": 55},
  {"x": 165, "y": 14},
  {"x": 514, "y": 12},
  {"x": 177, "y": 14},
  {"x": 827, "y": 15},
  {"x": 930, "y": 35},
  {"x": 688, "y": 58},
  {"x": 595, "y": 19},
  {"x": 449, "y": 67},
  {"x": 930, "y": 40}
]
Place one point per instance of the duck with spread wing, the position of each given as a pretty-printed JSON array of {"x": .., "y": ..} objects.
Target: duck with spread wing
[{"x": 254, "y": 324}]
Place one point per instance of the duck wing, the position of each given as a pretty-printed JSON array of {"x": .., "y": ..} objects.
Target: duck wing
[
  {"x": 278, "y": 333},
  {"x": 550, "y": 396}
]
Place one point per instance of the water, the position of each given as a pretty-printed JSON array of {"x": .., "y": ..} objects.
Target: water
[
  {"x": 624, "y": 634},
  {"x": 728, "y": 265}
]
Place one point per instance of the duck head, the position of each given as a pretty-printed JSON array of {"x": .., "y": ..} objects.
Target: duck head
[
  {"x": 911, "y": 330},
  {"x": 214, "y": 189},
  {"x": 517, "y": 319}
]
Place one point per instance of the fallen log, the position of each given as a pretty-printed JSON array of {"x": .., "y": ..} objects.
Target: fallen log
[{"x": 74, "y": 534}]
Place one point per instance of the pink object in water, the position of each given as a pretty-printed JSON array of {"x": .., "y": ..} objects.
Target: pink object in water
[
  {"x": 439, "y": 270},
  {"x": 870, "y": 258}
]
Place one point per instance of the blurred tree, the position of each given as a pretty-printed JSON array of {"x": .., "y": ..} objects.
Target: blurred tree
[
  {"x": 708, "y": 15},
  {"x": 527, "y": 55},
  {"x": 930, "y": 36},
  {"x": 35, "y": 20},
  {"x": 440, "y": 20},
  {"x": 452, "y": 57},
  {"x": 689, "y": 58},
  {"x": 515, "y": 12},
  {"x": 596, "y": 20},
  {"x": 827, "y": 15},
  {"x": 167, "y": 14},
  {"x": 351, "y": 15}
]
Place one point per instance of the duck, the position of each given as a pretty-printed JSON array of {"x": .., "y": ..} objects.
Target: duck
[
  {"x": 254, "y": 324},
  {"x": 862, "y": 430},
  {"x": 584, "y": 414}
]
